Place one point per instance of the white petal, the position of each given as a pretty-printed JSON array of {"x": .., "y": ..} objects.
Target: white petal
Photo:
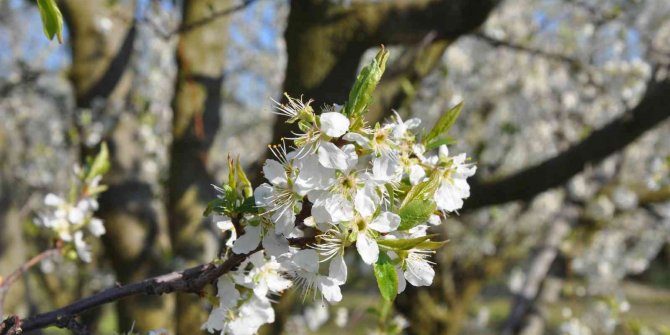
[
  {"x": 307, "y": 259},
  {"x": 443, "y": 152},
  {"x": 352, "y": 158},
  {"x": 215, "y": 320},
  {"x": 434, "y": 220},
  {"x": 227, "y": 293},
  {"x": 53, "y": 200},
  {"x": 366, "y": 201},
  {"x": 331, "y": 156},
  {"x": 83, "y": 250},
  {"x": 385, "y": 168},
  {"x": 412, "y": 123},
  {"x": 274, "y": 244},
  {"x": 334, "y": 124},
  {"x": 367, "y": 248},
  {"x": 402, "y": 283},
  {"x": 248, "y": 241},
  {"x": 446, "y": 198},
  {"x": 75, "y": 216},
  {"x": 274, "y": 172},
  {"x": 416, "y": 174},
  {"x": 331, "y": 209},
  {"x": 419, "y": 273},
  {"x": 358, "y": 138},
  {"x": 263, "y": 195},
  {"x": 312, "y": 175},
  {"x": 385, "y": 222},
  {"x": 338, "y": 269},
  {"x": 329, "y": 289},
  {"x": 284, "y": 220},
  {"x": 96, "y": 227}
]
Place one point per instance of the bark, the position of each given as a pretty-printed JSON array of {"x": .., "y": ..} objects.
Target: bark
[
  {"x": 99, "y": 72},
  {"x": 200, "y": 58}
]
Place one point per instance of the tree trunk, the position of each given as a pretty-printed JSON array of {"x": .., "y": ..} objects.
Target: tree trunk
[
  {"x": 102, "y": 35},
  {"x": 196, "y": 104}
]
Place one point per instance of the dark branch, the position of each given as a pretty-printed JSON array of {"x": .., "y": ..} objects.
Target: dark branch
[
  {"x": 192, "y": 280},
  {"x": 533, "y": 51},
  {"x": 526, "y": 184}
]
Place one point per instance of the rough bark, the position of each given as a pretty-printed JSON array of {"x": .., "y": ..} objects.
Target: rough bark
[
  {"x": 200, "y": 58},
  {"x": 99, "y": 72}
]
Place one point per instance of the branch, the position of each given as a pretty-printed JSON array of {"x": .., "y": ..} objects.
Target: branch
[
  {"x": 191, "y": 280},
  {"x": 6, "y": 283},
  {"x": 535, "y": 52},
  {"x": 407, "y": 22},
  {"x": 526, "y": 184},
  {"x": 186, "y": 27}
]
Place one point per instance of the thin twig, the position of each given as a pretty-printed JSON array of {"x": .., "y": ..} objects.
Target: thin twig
[{"x": 6, "y": 283}]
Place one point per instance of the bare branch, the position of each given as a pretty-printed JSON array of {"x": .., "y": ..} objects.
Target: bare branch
[
  {"x": 6, "y": 283},
  {"x": 192, "y": 280}
]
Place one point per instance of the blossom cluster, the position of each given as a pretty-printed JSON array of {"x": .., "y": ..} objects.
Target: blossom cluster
[
  {"x": 341, "y": 185},
  {"x": 71, "y": 218}
]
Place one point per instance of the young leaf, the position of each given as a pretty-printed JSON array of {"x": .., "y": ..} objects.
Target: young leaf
[
  {"x": 443, "y": 124},
  {"x": 366, "y": 82},
  {"x": 52, "y": 19},
  {"x": 247, "y": 190},
  {"x": 416, "y": 212},
  {"x": 430, "y": 245},
  {"x": 404, "y": 244},
  {"x": 436, "y": 142},
  {"x": 423, "y": 190},
  {"x": 387, "y": 279},
  {"x": 100, "y": 164}
]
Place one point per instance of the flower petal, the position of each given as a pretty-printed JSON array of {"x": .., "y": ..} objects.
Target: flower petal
[
  {"x": 366, "y": 201},
  {"x": 334, "y": 124},
  {"x": 329, "y": 289},
  {"x": 275, "y": 245},
  {"x": 331, "y": 156},
  {"x": 274, "y": 172},
  {"x": 385, "y": 222},
  {"x": 367, "y": 248},
  {"x": 307, "y": 259},
  {"x": 248, "y": 241},
  {"x": 337, "y": 269}
]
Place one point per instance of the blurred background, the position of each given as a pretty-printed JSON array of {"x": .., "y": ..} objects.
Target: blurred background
[{"x": 566, "y": 101}]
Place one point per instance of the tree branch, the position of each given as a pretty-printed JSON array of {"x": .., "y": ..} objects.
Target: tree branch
[
  {"x": 535, "y": 52},
  {"x": 6, "y": 283},
  {"x": 191, "y": 280},
  {"x": 526, "y": 184}
]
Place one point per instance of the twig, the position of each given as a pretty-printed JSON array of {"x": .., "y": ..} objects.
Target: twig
[
  {"x": 536, "y": 52},
  {"x": 191, "y": 280},
  {"x": 6, "y": 283}
]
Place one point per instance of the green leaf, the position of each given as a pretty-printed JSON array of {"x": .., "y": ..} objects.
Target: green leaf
[
  {"x": 366, "y": 82},
  {"x": 387, "y": 279},
  {"x": 52, "y": 19},
  {"x": 247, "y": 189},
  {"x": 100, "y": 164},
  {"x": 430, "y": 245},
  {"x": 248, "y": 206},
  {"x": 435, "y": 143},
  {"x": 416, "y": 212},
  {"x": 443, "y": 125},
  {"x": 403, "y": 244},
  {"x": 423, "y": 190}
]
